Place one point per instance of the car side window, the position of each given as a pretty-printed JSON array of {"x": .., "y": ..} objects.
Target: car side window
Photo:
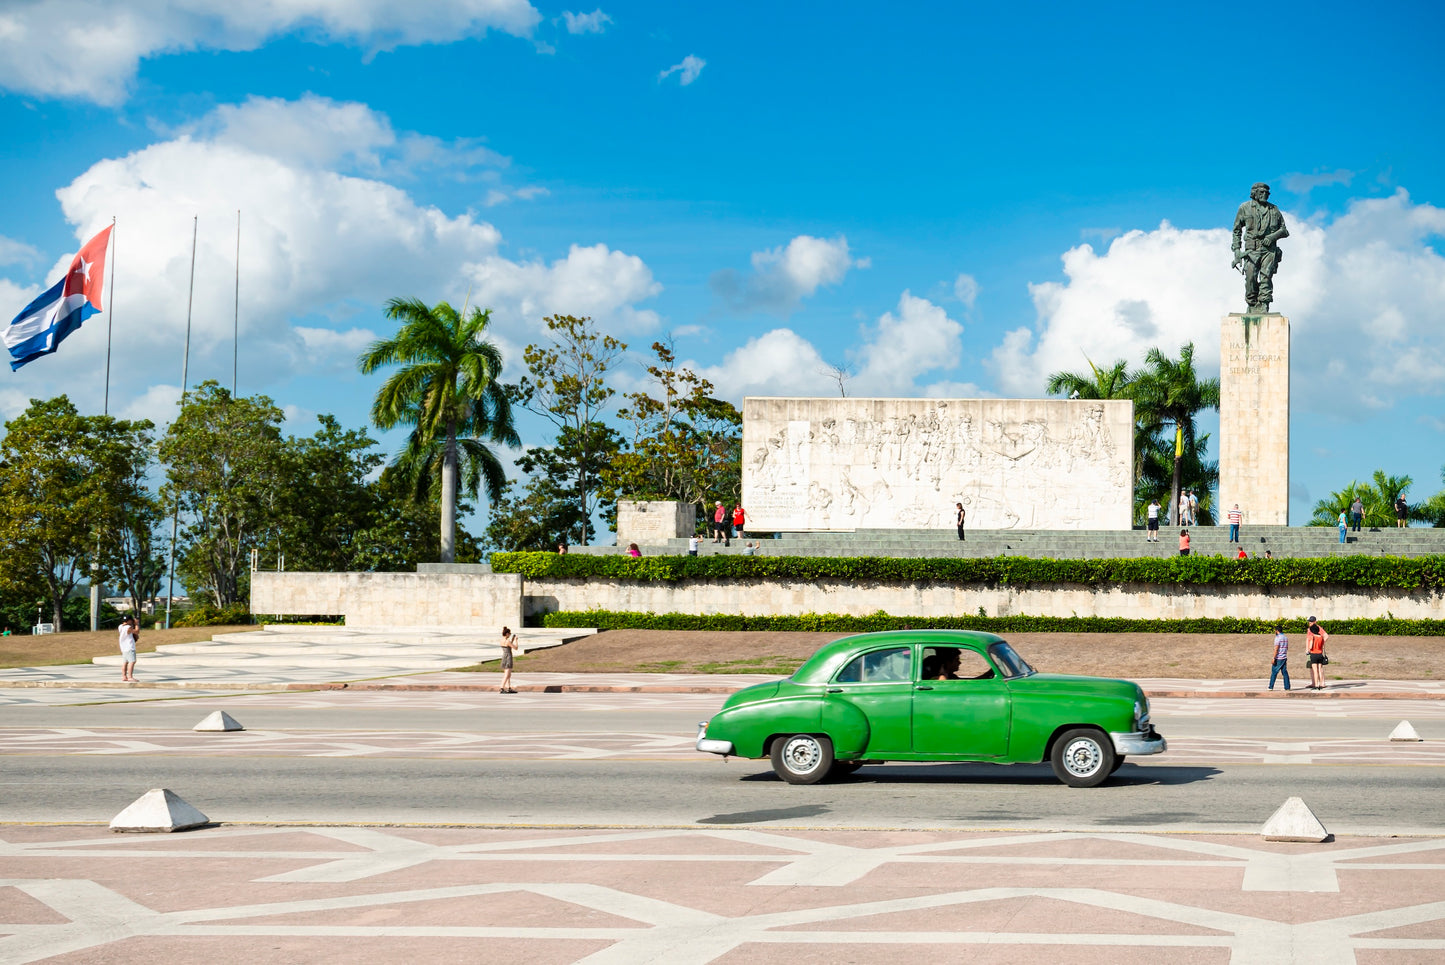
[
  {"x": 955, "y": 663},
  {"x": 879, "y": 666}
]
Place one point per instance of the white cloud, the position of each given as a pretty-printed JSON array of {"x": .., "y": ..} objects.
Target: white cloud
[
  {"x": 965, "y": 289},
  {"x": 586, "y": 23},
  {"x": 1363, "y": 294},
  {"x": 14, "y": 252},
  {"x": 687, "y": 70},
  {"x": 90, "y": 49},
  {"x": 1305, "y": 183},
  {"x": 783, "y": 277},
  {"x": 498, "y": 196},
  {"x": 916, "y": 338},
  {"x": 320, "y": 253}
]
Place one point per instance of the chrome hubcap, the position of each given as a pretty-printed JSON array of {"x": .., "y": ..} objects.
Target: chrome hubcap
[
  {"x": 1083, "y": 757},
  {"x": 802, "y": 754}
]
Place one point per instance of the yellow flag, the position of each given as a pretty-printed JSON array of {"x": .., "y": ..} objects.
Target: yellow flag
[{"x": 1178, "y": 441}]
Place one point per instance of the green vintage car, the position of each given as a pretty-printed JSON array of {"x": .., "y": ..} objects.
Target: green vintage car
[{"x": 932, "y": 695}]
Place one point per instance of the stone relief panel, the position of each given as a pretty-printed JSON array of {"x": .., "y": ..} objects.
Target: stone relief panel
[{"x": 845, "y": 464}]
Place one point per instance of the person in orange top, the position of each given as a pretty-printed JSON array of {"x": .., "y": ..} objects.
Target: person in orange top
[
  {"x": 1315, "y": 634},
  {"x": 739, "y": 517},
  {"x": 1184, "y": 542},
  {"x": 1242, "y": 554}
]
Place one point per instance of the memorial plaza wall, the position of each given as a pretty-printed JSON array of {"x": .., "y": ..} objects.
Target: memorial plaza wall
[
  {"x": 847, "y": 464},
  {"x": 480, "y": 599}
]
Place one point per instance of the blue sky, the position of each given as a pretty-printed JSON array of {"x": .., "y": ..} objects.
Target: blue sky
[{"x": 948, "y": 199}]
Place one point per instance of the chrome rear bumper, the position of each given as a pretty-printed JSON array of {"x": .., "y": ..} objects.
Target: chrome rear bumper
[{"x": 725, "y": 748}]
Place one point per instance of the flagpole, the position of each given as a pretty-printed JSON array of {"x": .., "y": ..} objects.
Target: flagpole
[
  {"x": 109, "y": 316},
  {"x": 96, "y": 590},
  {"x": 236, "y": 338},
  {"x": 185, "y": 374}
]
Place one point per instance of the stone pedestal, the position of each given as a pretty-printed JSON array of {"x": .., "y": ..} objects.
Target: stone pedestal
[
  {"x": 652, "y": 522},
  {"x": 1254, "y": 418}
]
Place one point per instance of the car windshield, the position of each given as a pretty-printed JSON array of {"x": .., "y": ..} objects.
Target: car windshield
[{"x": 1009, "y": 661}]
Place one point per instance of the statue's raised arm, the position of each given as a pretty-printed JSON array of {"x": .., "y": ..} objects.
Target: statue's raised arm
[{"x": 1258, "y": 227}]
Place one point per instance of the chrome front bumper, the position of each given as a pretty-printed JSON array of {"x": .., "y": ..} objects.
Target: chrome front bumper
[
  {"x": 1139, "y": 743},
  {"x": 725, "y": 748}
]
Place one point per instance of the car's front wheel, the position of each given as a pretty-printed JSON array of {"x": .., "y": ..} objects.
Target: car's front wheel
[
  {"x": 802, "y": 758},
  {"x": 1083, "y": 758}
]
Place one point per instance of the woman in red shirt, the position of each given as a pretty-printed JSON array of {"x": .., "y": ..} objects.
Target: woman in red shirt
[{"x": 1316, "y": 636}]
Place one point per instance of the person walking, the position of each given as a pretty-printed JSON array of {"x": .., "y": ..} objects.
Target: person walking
[
  {"x": 1235, "y": 518},
  {"x": 1357, "y": 513},
  {"x": 1193, "y": 509},
  {"x": 1316, "y": 636},
  {"x": 1184, "y": 542},
  {"x": 739, "y": 518},
  {"x": 509, "y": 647},
  {"x": 720, "y": 514},
  {"x": 1281, "y": 652},
  {"x": 1344, "y": 526},
  {"x": 129, "y": 637},
  {"x": 1151, "y": 516},
  {"x": 1402, "y": 512},
  {"x": 961, "y": 515}
]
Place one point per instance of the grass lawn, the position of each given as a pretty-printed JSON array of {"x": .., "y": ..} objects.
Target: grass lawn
[
  {"x": 1215, "y": 656},
  {"x": 51, "y": 649}
]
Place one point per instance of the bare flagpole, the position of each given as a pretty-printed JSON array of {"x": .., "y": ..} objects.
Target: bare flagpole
[
  {"x": 185, "y": 374},
  {"x": 236, "y": 339},
  {"x": 96, "y": 590}
]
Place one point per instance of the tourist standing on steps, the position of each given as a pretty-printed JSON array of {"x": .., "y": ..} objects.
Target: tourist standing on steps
[
  {"x": 1281, "y": 652},
  {"x": 129, "y": 635},
  {"x": 509, "y": 647},
  {"x": 719, "y": 514},
  {"x": 1316, "y": 636},
  {"x": 962, "y": 514},
  {"x": 1344, "y": 526},
  {"x": 1235, "y": 518},
  {"x": 1184, "y": 542},
  {"x": 1357, "y": 513},
  {"x": 692, "y": 545},
  {"x": 1193, "y": 509},
  {"x": 1402, "y": 512},
  {"x": 1151, "y": 516},
  {"x": 740, "y": 518}
]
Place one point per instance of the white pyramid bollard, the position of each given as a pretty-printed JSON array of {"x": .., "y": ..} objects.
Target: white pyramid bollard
[
  {"x": 1294, "y": 821},
  {"x": 1404, "y": 732},
  {"x": 220, "y": 720},
  {"x": 158, "y": 810}
]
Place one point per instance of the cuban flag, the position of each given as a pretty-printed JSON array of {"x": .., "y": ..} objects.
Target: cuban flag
[{"x": 43, "y": 324}]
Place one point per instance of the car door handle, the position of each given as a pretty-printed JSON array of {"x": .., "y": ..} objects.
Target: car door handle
[
  {"x": 922, "y": 688},
  {"x": 835, "y": 690}
]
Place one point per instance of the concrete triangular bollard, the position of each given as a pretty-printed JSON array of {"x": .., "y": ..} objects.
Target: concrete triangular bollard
[
  {"x": 1404, "y": 732},
  {"x": 1294, "y": 821},
  {"x": 158, "y": 810},
  {"x": 220, "y": 720}
]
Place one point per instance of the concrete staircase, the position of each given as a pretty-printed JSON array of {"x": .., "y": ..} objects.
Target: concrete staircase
[
  {"x": 1281, "y": 541},
  {"x": 334, "y": 653}
]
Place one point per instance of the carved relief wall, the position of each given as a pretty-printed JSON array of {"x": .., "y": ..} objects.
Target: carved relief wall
[{"x": 843, "y": 464}]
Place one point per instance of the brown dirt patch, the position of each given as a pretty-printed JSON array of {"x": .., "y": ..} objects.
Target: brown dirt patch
[
  {"x": 52, "y": 649},
  {"x": 1213, "y": 656}
]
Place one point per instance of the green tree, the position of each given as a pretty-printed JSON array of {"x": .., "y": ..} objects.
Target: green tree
[
  {"x": 323, "y": 499},
  {"x": 566, "y": 385},
  {"x": 130, "y": 554},
  {"x": 1169, "y": 394},
  {"x": 64, "y": 478},
  {"x": 685, "y": 445},
  {"x": 1197, "y": 473},
  {"x": 402, "y": 530},
  {"x": 1377, "y": 497},
  {"x": 446, "y": 388},
  {"x": 538, "y": 519},
  {"x": 224, "y": 460}
]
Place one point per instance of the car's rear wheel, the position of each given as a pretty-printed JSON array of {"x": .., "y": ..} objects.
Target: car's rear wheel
[
  {"x": 802, "y": 758},
  {"x": 1083, "y": 758}
]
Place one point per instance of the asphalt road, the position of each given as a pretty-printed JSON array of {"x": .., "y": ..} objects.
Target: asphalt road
[{"x": 1153, "y": 794}]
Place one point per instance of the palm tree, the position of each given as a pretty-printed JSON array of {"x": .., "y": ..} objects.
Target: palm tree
[
  {"x": 1169, "y": 393},
  {"x": 447, "y": 390},
  {"x": 1110, "y": 383}
]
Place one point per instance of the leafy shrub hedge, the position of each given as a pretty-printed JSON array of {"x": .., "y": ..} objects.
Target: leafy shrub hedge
[
  {"x": 838, "y": 623},
  {"x": 207, "y": 615},
  {"x": 1387, "y": 572}
]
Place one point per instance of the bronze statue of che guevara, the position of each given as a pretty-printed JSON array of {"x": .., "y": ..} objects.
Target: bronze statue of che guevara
[{"x": 1257, "y": 228}]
